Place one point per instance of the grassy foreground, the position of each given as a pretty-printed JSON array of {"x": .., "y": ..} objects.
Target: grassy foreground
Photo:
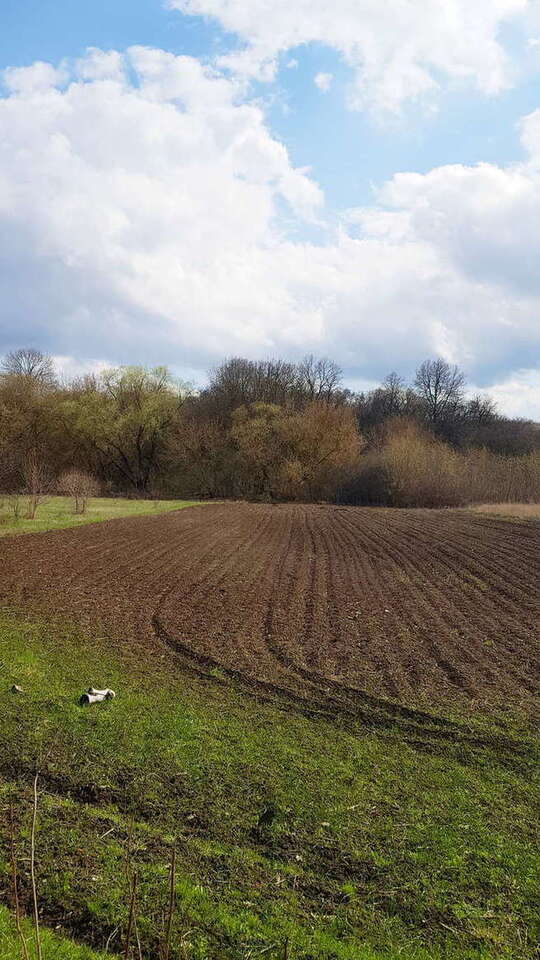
[
  {"x": 295, "y": 838},
  {"x": 57, "y": 513},
  {"x": 53, "y": 946}
]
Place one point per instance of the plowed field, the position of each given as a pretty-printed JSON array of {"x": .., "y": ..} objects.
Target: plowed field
[{"x": 337, "y": 606}]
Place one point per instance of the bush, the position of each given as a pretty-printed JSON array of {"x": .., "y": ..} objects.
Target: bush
[
  {"x": 79, "y": 485},
  {"x": 410, "y": 467}
]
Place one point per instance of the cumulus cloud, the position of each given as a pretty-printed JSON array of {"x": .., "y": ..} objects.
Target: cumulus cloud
[
  {"x": 456, "y": 40},
  {"x": 483, "y": 220},
  {"x": 518, "y": 395},
  {"x": 40, "y": 77},
  {"x": 156, "y": 226},
  {"x": 149, "y": 209}
]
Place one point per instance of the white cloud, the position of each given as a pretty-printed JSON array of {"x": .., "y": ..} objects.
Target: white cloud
[
  {"x": 518, "y": 395},
  {"x": 147, "y": 221},
  {"x": 101, "y": 65},
  {"x": 530, "y": 137},
  {"x": 483, "y": 219},
  {"x": 323, "y": 81},
  {"x": 398, "y": 51},
  {"x": 67, "y": 368},
  {"x": 140, "y": 214},
  {"x": 38, "y": 78}
]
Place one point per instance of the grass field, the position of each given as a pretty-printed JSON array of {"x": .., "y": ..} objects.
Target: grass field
[
  {"x": 57, "y": 513},
  {"x": 522, "y": 511},
  {"x": 54, "y": 947},
  {"x": 382, "y": 845}
]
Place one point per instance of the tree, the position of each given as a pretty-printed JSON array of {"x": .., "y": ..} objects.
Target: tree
[
  {"x": 124, "y": 417},
  {"x": 80, "y": 486},
  {"x": 30, "y": 423},
  {"x": 324, "y": 449},
  {"x": 420, "y": 470},
  {"x": 37, "y": 482},
  {"x": 31, "y": 364},
  {"x": 296, "y": 454},
  {"x": 201, "y": 460},
  {"x": 440, "y": 386},
  {"x": 256, "y": 433},
  {"x": 319, "y": 379},
  {"x": 239, "y": 382}
]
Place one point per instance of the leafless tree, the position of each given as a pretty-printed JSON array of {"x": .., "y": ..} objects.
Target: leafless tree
[
  {"x": 319, "y": 378},
  {"x": 79, "y": 485},
  {"x": 30, "y": 363},
  {"x": 440, "y": 386},
  {"x": 37, "y": 482},
  {"x": 481, "y": 410}
]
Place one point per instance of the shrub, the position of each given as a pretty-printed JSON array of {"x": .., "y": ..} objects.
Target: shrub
[{"x": 79, "y": 485}]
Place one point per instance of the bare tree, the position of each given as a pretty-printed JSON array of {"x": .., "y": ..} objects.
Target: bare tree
[
  {"x": 440, "y": 386},
  {"x": 481, "y": 410},
  {"x": 30, "y": 363},
  {"x": 238, "y": 381},
  {"x": 319, "y": 379},
  {"x": 37, "y": 482},
  {"x": 79, "y": 485}
]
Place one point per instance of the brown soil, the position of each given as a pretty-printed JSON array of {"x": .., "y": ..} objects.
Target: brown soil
[{"x": 324, "y": 605}]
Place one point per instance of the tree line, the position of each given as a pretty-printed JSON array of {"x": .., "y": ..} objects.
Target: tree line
[{"x": 269, "y": 429}]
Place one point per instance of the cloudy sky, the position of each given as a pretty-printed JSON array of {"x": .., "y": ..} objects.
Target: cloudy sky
[{"x": 183, "y": 180}]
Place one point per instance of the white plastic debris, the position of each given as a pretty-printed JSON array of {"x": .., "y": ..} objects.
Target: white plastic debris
[
  {"x": 16, "y": 689},
  {"x": 97, "y": 696}
]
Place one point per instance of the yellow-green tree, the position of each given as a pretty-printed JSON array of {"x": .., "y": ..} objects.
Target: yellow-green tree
[
  {"x": 123, "y": 418},
  {"x": 296, "y": 454}
]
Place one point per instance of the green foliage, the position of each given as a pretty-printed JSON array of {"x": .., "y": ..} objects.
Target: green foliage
[
  {"x": 381, "y": 844},
  {"x": 123, "y": 416}
]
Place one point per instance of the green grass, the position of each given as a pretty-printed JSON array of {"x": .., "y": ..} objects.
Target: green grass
[
  {"x": 386, "y": 844},
  {"x": 54, "y": 947},
  {"x": 57, "y": 513}
]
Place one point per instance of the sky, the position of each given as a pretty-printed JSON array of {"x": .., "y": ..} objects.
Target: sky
[{"x": 187, "y": 180}]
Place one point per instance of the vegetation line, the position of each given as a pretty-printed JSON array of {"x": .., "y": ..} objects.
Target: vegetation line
[{"x": 269, "y": 429}]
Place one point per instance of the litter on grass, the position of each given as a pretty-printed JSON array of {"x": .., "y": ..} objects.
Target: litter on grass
[{"x": 96, "y": 696}]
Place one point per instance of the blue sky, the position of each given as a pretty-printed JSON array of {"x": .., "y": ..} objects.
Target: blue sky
[
  {"x": 355, "y": 153},
  {"x": 372, "y": 181}
]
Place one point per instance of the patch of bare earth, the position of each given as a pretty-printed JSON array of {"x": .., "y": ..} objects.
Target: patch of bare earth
[{"x": 327, "y": 605}]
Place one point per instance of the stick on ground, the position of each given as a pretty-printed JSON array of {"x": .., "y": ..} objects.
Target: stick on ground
[
  {"x": 33, "y": 870},
  {"x": 170, "y": 911},
  {"x": 20, "y": 934}
]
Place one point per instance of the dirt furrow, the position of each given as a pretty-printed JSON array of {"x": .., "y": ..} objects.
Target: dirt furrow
[{"x": 357, "y": 611}]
